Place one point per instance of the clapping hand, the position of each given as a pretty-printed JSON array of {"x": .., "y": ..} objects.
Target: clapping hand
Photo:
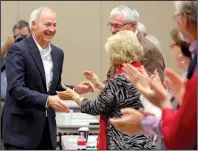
[
  {"x": 93, "y": 78},
  {"x": 130, "y": 122},
  {"x": 176, "y": 83},
  {"x": 151, "y": 88}
]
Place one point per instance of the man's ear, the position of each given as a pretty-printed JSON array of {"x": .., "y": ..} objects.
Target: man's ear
[
  {"x": 33, "y": 24},
  {"x": 133, "y": 26}
]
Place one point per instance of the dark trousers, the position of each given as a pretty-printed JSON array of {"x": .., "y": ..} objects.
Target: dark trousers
[{"x": 45, "y": 143}]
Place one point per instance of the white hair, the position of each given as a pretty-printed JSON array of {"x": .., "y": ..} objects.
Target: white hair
[
  {"x": 155, "y": 41},
  {"x": 130, "y": 14},
  {"x": 36, "y": 14},
  {"x": 189, "y": 7},
  {"x": 141, "y": 27}
]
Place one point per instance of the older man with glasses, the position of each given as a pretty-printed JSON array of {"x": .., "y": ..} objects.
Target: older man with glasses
[{"x": 126, "y": 18}]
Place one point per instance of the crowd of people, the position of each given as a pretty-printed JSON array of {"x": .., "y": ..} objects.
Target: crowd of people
[{"x": 135, "y": 102}]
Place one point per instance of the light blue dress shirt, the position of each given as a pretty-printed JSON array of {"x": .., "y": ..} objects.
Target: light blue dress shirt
[{"x": 3, "y": 78}]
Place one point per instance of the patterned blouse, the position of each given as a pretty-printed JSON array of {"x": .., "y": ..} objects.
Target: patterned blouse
[{"x": 117, "y": 94}]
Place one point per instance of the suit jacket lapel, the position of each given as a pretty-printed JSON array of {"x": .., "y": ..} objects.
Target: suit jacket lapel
[
  {"x": 34, "y": 51},
  {"x": 55, "y": 60}
]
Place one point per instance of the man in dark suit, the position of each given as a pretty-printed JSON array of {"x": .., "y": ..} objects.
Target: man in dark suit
[
  {"x": 34, "y": 76},
  {"x": 126, "y": 18}
]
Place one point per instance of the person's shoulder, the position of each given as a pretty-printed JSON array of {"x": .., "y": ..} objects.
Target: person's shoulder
[
  {"x": 147, "y": 45},
  {"x": 119, "y": 77},
  {"x": 21, "y": 44},
  {"x": 151, "y": 50},
  {"x": 119, "y": 83},
  {"x": 114, "y": 84},
  {"x": 151, "y": 46},
  {"x": 57, "y": 49},
  {"x": 18, "y": 46}
]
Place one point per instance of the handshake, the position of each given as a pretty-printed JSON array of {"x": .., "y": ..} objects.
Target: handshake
[{"x": 56, "y": 102}]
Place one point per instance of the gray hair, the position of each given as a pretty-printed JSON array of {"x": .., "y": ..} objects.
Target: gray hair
[
  {"x": 130, "y": 14},
  {"x": 189, "y": 7},
  {"x": 36, "y": 14},
  {"x": 155, "y": 41},
  {"x": 141, "y": 27}
]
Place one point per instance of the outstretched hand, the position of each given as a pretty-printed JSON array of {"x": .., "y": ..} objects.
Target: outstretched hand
[
  {"x": 84, "y": 87},
  {"x": 68, "y": 94}
]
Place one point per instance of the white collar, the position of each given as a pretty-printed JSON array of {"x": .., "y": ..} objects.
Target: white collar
[{"x": 40, "y": 48}]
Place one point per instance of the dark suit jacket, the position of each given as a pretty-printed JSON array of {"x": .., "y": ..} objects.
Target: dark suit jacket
[
  {"x": 151, "y": 60},
  {"x": 24, "y": 111}
]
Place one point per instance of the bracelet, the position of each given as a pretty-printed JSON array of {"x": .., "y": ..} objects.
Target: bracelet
[{"x": 78, "y": 99}]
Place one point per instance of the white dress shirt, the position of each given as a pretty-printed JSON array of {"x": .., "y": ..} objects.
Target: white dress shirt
[{"x": 47, "y": 64}]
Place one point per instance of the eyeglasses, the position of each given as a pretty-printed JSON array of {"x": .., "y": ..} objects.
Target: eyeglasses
[{"x": 116, "y": 26}]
